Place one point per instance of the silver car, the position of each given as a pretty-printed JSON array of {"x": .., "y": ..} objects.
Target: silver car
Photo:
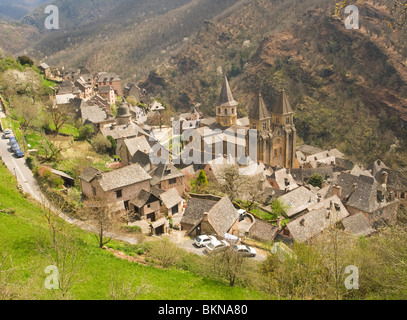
[
  {"x": 245, "y": 250},
  {"x": 203, "y": 240},
  {"x": 7, "y": 134}
]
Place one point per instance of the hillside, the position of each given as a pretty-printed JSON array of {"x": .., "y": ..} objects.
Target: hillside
[
  {"x": 12, "y": 10},
  {"x": 24, "y": 233}
]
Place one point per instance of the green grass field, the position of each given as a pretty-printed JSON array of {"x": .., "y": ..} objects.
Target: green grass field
[{"x": 22, "y": 232}]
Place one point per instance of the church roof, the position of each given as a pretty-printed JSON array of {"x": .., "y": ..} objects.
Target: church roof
[
  {"x": 282, "y": 105},
  {"x": 259, "y": 110},
  {"x": 226, "y": 97}
]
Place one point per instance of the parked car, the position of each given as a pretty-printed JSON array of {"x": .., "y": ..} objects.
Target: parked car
[
  {"x": 203, "y": 240},
  {"x": 14, "y": 144},
  {"x": 7, "y": 134},
  {"x": 215, "y": 246},
  {"x": 18, "y": 153},
  {"x": 245, "y": 250}
]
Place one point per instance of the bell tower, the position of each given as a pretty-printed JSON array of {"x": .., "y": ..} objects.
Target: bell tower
[{"x": 226, "y": 109}]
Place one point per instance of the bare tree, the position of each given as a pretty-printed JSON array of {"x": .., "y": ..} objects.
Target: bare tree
[
  {"x": 59, "y": 116},
  {"x": 66, "y": 255},
  {"x": 231, "y": 181},
  {"x": 122, "y": 289},
  {"x": 25, "y": 110},
  {"x": 99, "y": 212}
]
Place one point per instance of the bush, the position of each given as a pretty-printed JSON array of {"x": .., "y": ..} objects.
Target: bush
[
  {"x": 133, "y": 229},
  {"x": 100, "y": 144},
  {"x": 86, "y": 132}
]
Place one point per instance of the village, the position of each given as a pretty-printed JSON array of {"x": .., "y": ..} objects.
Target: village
[{"x": 203, "y": 178}]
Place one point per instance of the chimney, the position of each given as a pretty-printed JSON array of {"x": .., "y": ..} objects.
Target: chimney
[
  {"x": 287, "y": 183},
  {"x": 379, "y": 162},
  {"x": 206, "y": 217},
  {"x": 99, "y": 176},
  {"x": 384, "y": 178},
  {"x": 279, "y": 223},
  {"x": 337, "y": 191}
]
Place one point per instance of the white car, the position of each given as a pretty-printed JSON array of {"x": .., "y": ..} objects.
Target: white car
[
  {"x": 7, "y": 134},
  {"x": 245, "y": 250},
  {"x": 215, "y": 246},
  {"x": 203, "y": 240}
]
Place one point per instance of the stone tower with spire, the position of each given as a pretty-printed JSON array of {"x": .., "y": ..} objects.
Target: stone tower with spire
[
  {"x": 276, "y": 133},
  {"x": 226, "y": 109}
]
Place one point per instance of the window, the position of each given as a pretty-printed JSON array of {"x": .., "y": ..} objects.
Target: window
[
  {"x": 233, "y": 110},
  {"x": 94, "y": 191},
  {"x": 173, "y": 181},
  {"x": 226, "y": 111},
  {"x": 288, "y": 120},
  {"x": 277, "y": 120},
  {"x": 254, "y": 126},
  {"x": 264, "y": 125},
  {"x": 219, "y": 111},
  {"x": 119, "y": 194}
]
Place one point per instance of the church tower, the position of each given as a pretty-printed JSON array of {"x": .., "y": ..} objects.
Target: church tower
[
  {"x": 284, "y": 133},
  {"x": 226, "y": 109}
]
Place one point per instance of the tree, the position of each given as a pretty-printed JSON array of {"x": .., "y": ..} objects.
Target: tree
[
  {"x": 113, "y": 143},
  {"x": 200, "y": 184},
  {"x": 86, "y": 132},
  {"x": 59, "y": 116},
  {"x": 122, "y": 289},
  {"x": 99, "y": 212},
  {"x": 231, "y": 181},
  {"x": 25, "y": 110},
  {"x": 279, "y": 208},
  {"x": 24, "y": 60},
  {"x": 316, "y": 180},
  {"x": 101, "y": 144}
]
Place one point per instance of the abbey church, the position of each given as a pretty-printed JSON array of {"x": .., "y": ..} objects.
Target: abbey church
[{"x": 276, "y": 133}]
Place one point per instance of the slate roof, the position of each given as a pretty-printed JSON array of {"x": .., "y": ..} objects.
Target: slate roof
[
  {"x": 165, "y": 172},
  {"x": 119, "y": 132},
  {"x": 317, "y": 220},
  {"x": 94, "y": 114},
  {"x": 308, "y": 150},
  {"x": 222, "y": 216},
  {"x": 396, "y": 179},
  {"x": 376, "y": 166},
  {"x": 144, "y": 197},
  {"x": 106, "y": 76},
  {"x": 263, "y": 231},
  {"x": 143, "y": 159},
  {"x": 226, "y": 97},
  {"x": 194, "y": 212},
  {"x": 88, "y": 174},
  {"x": 171, "y": 198},
  {"x": 280, "y": 175},
  {"x": 302, "y": 175},
  {"x": 123, "y": 177},
  {"x": 358, "y": 225},
  {"x": 259, "y": 110},
  {"x": 364, "y": 197},
  {"x": 298, "y": 200},
  {"x": 282, "y": 105},
  {"x": 137, "y": 144}
]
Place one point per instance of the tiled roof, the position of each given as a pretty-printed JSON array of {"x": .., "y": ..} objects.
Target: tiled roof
[
  {"x": 298, "y": 200},
  {"x": 321, "y": 217},
  {"x": 171, "y": 198},
  {"x": 88, "y": 174},
  {"x": 358, "y": 225},
  {"x": 194, "y": 212},
  {"x": 144, "y": 197},
  {"x": 282, "y": 105},
  {"x": 137, "y": 144},
  {"x": 165, "y": 172},
  {"x": 263, "y": 231},
  {"x": 123, "y": 177},
  {"x": 222, "y": 216}
]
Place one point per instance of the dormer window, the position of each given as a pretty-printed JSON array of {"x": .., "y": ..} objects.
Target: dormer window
[{"x": 264, "y": 125}]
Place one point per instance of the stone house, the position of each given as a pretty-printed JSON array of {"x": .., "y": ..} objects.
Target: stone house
[
  {"x": 166, "y": 177},
  {"x": 117, "y": 187},
  {"x": 110, "y": 79},
  {"x": 216, "y": 218},
  {"x": 129, "y": 148},
  {"x": 45, "y": 69},
  {"x": 107, "y": 92}
]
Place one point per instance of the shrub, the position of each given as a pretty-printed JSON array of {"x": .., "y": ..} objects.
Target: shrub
[
  {"x": 86, "y": 132},
  {"x": 100, "y": 144}
]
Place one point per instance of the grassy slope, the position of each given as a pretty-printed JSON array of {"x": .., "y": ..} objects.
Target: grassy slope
[{"x": 20, "y": 233}]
